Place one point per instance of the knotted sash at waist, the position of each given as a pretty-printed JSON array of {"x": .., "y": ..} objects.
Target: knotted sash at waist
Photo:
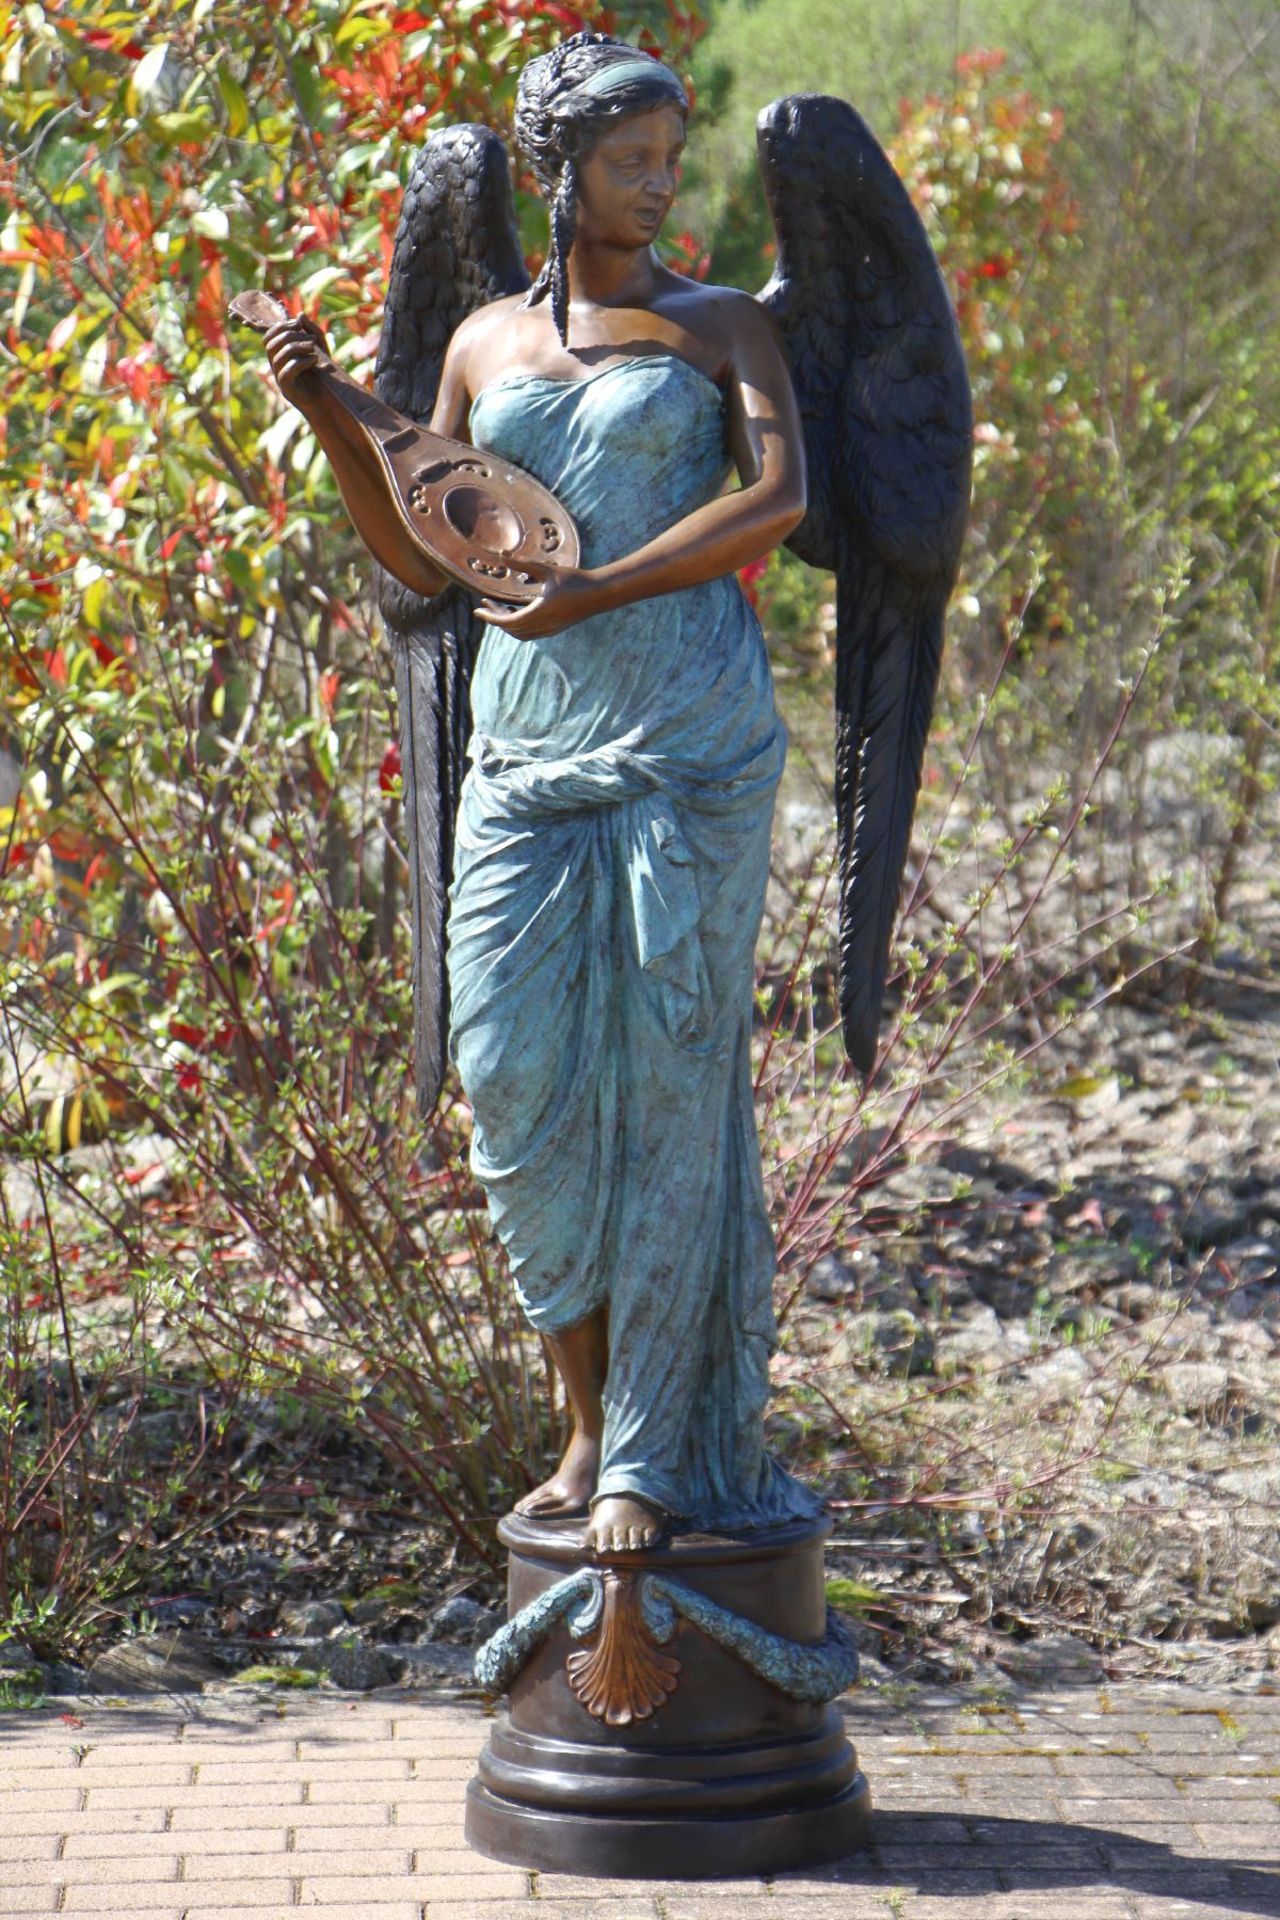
[{"x": 658, "y": 875}]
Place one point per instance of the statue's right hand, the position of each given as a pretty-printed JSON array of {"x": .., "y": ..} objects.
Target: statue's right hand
[{"x": 295, "y": 348}]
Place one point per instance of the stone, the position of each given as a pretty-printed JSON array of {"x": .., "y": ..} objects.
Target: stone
[
  {"x": 462, "y": 1618},
  {"x": 1064, "y": 1375},
  {"x": 357, "y": 1669},
  {"x": 155, "y": 1663},
  {"x": 309, "y": 1619},
  {"x": 1195, "y": 1386},
  {"x": 830, "y": 1279}
]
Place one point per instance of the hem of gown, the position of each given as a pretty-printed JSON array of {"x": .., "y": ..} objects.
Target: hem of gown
[{"x": 788, "y": 1500}]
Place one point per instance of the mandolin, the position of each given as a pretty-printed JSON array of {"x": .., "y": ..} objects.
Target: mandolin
[{"x": 485, "y": 523}]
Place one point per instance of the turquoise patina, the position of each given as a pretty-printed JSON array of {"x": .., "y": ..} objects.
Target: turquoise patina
[{"x": 609, "y": 879}]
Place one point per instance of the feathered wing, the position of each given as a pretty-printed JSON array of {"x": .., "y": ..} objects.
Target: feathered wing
[
  {"x": 867, "y": 328},
  {"x": 456, "y": 249}
]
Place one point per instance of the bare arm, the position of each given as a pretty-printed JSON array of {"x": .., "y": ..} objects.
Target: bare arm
[
  {"x": 307, "y": 378},
  {"x": 767, "y": 444}
]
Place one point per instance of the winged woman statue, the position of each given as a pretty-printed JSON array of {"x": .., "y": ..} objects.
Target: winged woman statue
[{"x": 590, "y": 778}]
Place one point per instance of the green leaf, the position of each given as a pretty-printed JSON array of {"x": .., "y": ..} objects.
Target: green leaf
[
  {"x": 177, "y": 128},
  {"x": 234, "y": 100}
]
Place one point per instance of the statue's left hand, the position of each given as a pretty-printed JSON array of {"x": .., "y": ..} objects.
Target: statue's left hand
[{"x": 569, "y": 594}]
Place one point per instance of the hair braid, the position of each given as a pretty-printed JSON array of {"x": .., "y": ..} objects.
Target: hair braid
[
  {"x": 554, "y": 127},
  {"x": 564, "y": 224}
]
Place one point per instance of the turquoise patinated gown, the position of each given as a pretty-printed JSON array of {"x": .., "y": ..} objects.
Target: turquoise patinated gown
[{"x": 609, "y": 878}]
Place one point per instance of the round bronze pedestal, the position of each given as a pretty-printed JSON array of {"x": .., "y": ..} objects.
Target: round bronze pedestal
[{"x": 629, "y": 1754}]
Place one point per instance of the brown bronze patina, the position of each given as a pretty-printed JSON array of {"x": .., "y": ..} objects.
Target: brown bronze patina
[
  {"x": 486, "y": 523},
  {"x": 588, "y": 792}
]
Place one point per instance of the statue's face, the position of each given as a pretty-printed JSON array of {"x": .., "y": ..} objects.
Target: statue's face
[{"x": 628, "y": 179}]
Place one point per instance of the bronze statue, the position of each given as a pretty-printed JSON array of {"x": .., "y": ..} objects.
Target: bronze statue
[
  {"x": 589, "y": 788},
  {"x": 623, "y": 739}
]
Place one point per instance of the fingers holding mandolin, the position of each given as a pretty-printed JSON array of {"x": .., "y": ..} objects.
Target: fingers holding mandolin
[{"x": 294, "y": 349}]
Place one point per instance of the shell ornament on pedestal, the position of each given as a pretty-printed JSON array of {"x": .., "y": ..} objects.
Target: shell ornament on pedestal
[{"x": 624, "y": 1675}]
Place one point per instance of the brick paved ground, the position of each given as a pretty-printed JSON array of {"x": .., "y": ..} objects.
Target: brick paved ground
[{"x": 1131, "y": 1804}]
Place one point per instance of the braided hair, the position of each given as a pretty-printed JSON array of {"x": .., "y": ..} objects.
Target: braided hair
[{"x": 565, "y": 99}]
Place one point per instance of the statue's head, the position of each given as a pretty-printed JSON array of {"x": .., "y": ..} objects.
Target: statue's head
[{"x": 567, "y": 100}]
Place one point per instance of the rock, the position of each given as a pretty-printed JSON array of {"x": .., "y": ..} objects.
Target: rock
[
  {"x": 177, "y": 1610},
  {"x": 155, "y": 1663},
  {"x": 67, "y": 1677},
  {"x": 358, "y": 1669},
  {"x": 267, "y": 1566},
  {"x": 1064, "y": 1375},
  {"x": 1205, "y": 1226},
  {"x": 365, "y": 1612},
  {"x": 1195, "y": 1386},
  {"x": 1049, "y": 1658},
  {"x": 309, "y": 1619},
  {"x": 902, "y": 1343},
  {"x": 908, "y": 1189},
  {"x": 437, "y": 1661},
  {"x": 461, "y": 1619},
  {"x": 1252, "y": 1260},
  {"x": 1138, "y": 1300},
  {"x": 830, "y": 1279},
  {"x": 981, "y": 1341}
]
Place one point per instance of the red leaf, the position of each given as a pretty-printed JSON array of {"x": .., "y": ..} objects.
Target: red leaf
[
  {"x": 389, "y": 771},
  {"x": 190, "y": 1036}
]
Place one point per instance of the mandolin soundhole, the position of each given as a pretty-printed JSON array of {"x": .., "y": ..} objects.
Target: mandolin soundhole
[{"x": 482, "y": 519}]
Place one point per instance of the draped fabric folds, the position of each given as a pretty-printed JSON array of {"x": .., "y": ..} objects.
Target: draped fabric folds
[{"x": 610, "y": 866}]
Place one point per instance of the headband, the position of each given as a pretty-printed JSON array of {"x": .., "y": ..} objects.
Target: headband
[{"x": 621, "y": 73}]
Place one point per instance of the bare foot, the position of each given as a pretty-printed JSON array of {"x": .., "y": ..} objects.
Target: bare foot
[
  {"x": 570, "y": 1487},
  {"x": 620, "y": 1524}
]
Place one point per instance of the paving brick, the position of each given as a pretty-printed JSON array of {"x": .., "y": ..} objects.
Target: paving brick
[
  {"x": 28, "y": 1800},
  {"x": 503, "y": 1883},
  {"x": 389, "y": 1909},
  {"x": 1090, "y": 1902},
  {"x": 390, "y": 1861},
  {"x": 163, "y": 1774},
  {"x": 203, "y": 1752},
  {"x": 263, "y": 1793},
  {"x": 147, "y": 1845},
  {"x": 1197, "y": 1766},
  {"x": 26, "y": 1899},
  {"x": 340, "y": 1773},
  {"x": 1240, "y": 1812},
  {"x": 230, "y": 1816},
  {"x": 1139, "y": 1782},
  {"x": 98, "y": 1870},
  {"x": 131, "y": 1898},
  {"x": 425, "y": 1832},
  {"x": 1162, "y": 1907},
  {"x": 339, "y": 1792},
  {"x": 25, "y": 1846},
  {"x": 1240, "y": 1842},
  {"x": 141, "y": 1820},
  {"x": 630, "y": 1906},
  {"x": 854, "y": 1903}
]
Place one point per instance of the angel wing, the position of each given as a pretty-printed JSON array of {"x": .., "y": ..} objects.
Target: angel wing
[
  {"x": 868, "y": 331},
  {"x": 456, "y": 249}
]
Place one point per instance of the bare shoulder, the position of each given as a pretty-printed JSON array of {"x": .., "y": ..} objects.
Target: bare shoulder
[
  {"x": 484, "y": 320},
  {"x": 473, "y": 336},
  {"x": 730, "y": 321}
]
